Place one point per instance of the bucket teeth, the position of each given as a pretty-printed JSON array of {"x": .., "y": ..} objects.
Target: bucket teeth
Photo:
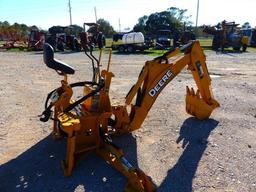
[
  {"x": 188, "y": 90},
  {"x": 198, "y": 94},
  {"x": 192, "y": 91}
]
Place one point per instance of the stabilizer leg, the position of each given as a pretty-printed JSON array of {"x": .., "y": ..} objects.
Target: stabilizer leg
[{"x": 138, "y": 181}]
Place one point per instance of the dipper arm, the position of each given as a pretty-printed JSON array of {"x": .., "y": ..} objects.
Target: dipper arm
[{"x": 155, "y": 76}]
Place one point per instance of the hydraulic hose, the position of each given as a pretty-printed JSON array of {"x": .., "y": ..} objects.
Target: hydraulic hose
[{"x": 46, "y": 114}]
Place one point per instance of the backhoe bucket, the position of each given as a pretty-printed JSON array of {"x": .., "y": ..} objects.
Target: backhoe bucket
[{"x": 196, "y": 106}]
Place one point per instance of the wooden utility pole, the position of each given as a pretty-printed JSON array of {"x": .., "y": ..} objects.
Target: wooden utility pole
[
  {"x": 197, "y": 11},
  {"x": 70, "y": 14},
  {"x": 119, "y": 25},
  {"x": 95, "y": 11}
]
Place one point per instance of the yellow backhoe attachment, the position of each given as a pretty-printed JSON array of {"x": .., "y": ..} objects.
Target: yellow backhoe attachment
[
  {"x": 89, "y": 122},
  {"x": 155, "y": 75}
]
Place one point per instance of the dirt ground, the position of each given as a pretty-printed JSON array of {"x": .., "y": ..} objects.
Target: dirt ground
[{"x": 179, "y": 152}]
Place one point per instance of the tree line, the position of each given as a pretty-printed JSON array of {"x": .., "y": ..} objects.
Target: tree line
[
  {"x": 20, "y": 32},
  {"x": 16, "y": 32},
  {"x": 172, "y": 19}
]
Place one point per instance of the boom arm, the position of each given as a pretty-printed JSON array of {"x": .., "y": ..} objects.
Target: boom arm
[{"x": 156, "y": 74}]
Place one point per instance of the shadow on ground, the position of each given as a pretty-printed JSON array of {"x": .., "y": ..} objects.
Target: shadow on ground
[
  {"x": 193, "y": 135},
  {"x": 38, "y": 168}
]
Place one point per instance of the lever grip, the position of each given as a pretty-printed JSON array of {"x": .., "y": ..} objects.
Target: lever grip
[
  {"x": 45, "y": 116},
  {"x": 186, "y": 46}
]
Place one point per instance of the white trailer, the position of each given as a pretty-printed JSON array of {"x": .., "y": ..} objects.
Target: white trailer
[{"x": 131, "y": 42}]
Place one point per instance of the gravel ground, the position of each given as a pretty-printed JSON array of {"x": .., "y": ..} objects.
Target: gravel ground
[{"x": 179, "y": 152}]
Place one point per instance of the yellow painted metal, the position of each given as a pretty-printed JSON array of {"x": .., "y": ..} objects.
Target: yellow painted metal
[
  {"x": 109, "y": 59},
  {"x": 156, "y": 74},
  {"x": 88, "y": 129},
  {"x": 138, "y": 181},
  {"x": 202, "y": 103},
  {"x": 100, "y": 57}
]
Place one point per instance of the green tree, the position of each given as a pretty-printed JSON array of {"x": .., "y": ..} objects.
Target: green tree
[
  {"x": 106, "y": 28},
  {"x": 15, "y": 32},
  {"x": 5, "y": 23},
  {"x": 141, "y": 25},
  {"x": 76, "y": 30},
  {"x": 171, "y": 19}
]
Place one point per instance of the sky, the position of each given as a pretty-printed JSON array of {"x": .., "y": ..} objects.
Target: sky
[{"x": 46, "y": 13}]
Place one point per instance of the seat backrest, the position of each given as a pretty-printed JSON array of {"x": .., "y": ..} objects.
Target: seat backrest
[
  {"x": 54, "y": 63},
  {"x": 48, "y": 53}
]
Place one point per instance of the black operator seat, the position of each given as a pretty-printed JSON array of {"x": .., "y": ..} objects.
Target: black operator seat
[{"x": 54, "y": 63}]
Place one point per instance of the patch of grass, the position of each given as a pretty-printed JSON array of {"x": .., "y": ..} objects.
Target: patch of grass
[
  {"x": 205, "y": 42},
  {"x": 251, "y": 49},
  {"x": 154, "y": 52},
  {"x": 150, "y": 52},
  {"x": 109, "y": 42}
]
